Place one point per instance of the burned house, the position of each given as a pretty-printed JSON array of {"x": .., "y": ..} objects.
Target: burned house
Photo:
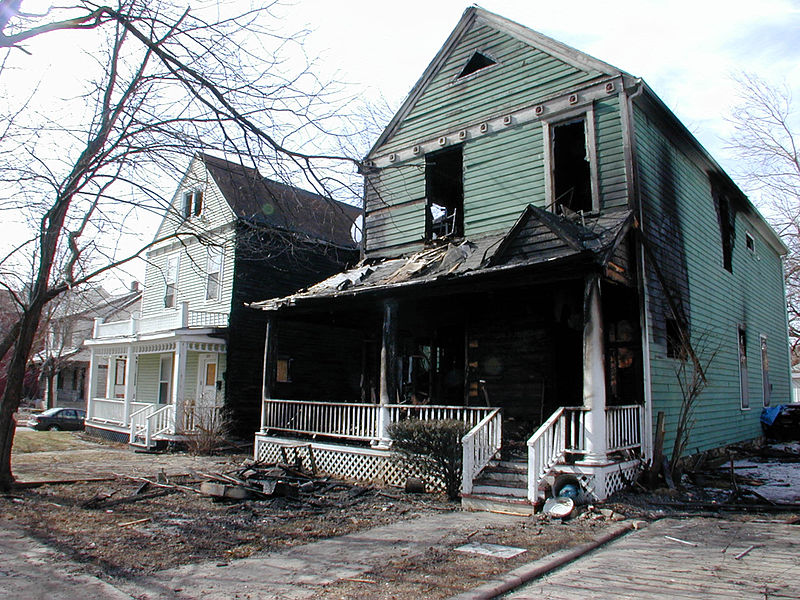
[{"x": 548, "y": 254}]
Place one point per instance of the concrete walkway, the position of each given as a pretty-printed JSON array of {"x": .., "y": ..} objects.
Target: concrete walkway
[
  {"x": 297, "y": 573},
  {"x": 33, "y": 571},
  {"x": 700, "y": 561}
]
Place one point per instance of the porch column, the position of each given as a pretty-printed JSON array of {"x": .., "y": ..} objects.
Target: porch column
[
  {"x": 112, "y": 375},
  {"x": 268, "y": 388},
  {"x": 388, "y": 387},
  {"x": 91, "y": 383},
  {"x": 178, "y": 382},
  {"x": 594, "y": 374},
  {"x": 129, "y": 389}
]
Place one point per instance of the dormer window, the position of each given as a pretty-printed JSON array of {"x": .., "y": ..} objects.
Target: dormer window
[
  {"x": 444, "y": 192},
  {"x": 476, "y": 62},
  {"x": 192, "y": 203}
]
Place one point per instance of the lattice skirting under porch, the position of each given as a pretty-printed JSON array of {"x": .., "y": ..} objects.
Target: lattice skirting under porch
[
  {"x": 347, "y": 462},
  {"x": 111, "y": 435},
  {"x": 603, "y": 480}
]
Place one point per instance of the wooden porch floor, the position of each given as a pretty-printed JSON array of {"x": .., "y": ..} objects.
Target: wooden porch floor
[{"x": 647, "y": 565}]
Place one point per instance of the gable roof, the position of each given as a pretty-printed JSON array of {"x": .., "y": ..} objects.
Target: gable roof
[
  {"x": 256, "y": 199},
  {"x": 474, "y": 14},
  {"x": 538, "y": 239}
]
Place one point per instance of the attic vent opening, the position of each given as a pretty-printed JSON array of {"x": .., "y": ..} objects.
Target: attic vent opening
[{"x": 477, "y": 62}]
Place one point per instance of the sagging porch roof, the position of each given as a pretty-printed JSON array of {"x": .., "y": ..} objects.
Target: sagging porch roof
[{"x": 538, "y": 237}]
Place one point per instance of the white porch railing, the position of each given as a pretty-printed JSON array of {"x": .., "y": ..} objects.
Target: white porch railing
[
  {"x": 111, "y": 410},
  {"x": 150, "y": 421},
  {"x": 565, "y": 433},
  {"x": 352, "y": 421},
  {"x": 624, "y": 427},
  {"x": 174, "y": 318},
  {"x": 201, "y": 418},
  {"x": 479, "y": 446}
]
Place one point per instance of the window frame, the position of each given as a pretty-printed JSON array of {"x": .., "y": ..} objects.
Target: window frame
[
  {"x": 192, "y": 199},
  {"x": 590, "y": 136},
  {"x": 766, "y": 386},
  {"x": 214, "y": 252},
  {"x": 459, "y": 224},
  {"x": 167, "y": 279},
  {"x": 744, "y": 378}
]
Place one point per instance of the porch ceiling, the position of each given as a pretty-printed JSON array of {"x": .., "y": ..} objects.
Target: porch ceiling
[{"x": 539, "y": 240}]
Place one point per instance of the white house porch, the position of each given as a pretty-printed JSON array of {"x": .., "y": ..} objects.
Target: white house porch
[
  {"x": 350, "y": 440},
  {"x": 158, "y": 378}
]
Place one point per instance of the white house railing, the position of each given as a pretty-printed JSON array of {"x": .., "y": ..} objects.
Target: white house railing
[
  {"x": 353, "y": 421},
  {"x": 624, "y": 427},
  {"x": 479, "y": 446},
  {"x": 171, "y": 318},
  {"x": 152, "y": 420},
  {"x": 111, "y": 410}
]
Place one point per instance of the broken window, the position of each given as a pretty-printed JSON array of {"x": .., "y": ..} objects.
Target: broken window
[
  {"x": 572, "y": 176},
  {"x": 476, "y": 62},
  {"x": 283, "y": 372},
  {"x": 444, "y": 191},
  {"x": 726, "y": 218},
  {"x": 744, "y": 383},
  {"x": 749, "y": 242},
  {"x": 675, "y": 346}
]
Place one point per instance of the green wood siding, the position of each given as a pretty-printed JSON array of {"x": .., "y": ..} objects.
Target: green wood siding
[
  {"x": 681, "y": 221},
  {"x": 522, "y": 76},
  {"x": 147, "y": 377},
  {"x": 191, "y": 285},
  {"x": 610, "y": 153}
]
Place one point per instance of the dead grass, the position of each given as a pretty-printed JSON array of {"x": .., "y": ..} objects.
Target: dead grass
[{"x": 29, "y": 440}]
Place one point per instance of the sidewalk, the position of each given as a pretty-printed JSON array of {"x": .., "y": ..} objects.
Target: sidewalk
[{"x": 297, "y": 573}]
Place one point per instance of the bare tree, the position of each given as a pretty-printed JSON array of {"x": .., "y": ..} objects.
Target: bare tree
[
  {"x": 165, "y": 83},
  {"x": 766, "y": 140}
]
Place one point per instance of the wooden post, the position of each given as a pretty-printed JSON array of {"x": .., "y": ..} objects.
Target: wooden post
[
  {"x": 268, "y": 388},
  {"x": 91, "y": 384},
  {"x": 129, "y": 389},
  {"x": 594, "y": 374},
  {"x": 388, "y": 369}
]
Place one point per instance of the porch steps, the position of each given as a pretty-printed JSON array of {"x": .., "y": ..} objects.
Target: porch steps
[{"x": 501, "y": 487}]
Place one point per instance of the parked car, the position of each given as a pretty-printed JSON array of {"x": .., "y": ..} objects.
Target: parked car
[{"x": 58, "y": 419}]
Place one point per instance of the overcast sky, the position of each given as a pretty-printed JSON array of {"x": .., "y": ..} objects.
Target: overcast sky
[{"x": 686, "y": 50}]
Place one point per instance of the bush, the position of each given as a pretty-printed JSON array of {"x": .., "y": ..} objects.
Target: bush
[
  {"x": 434, "y": 447},
  {"x": 209, "y": 431}
]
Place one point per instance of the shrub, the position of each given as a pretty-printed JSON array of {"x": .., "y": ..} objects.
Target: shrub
[
  {"x": 434, "y": 447},
  {"x": 209, "y": 431}
]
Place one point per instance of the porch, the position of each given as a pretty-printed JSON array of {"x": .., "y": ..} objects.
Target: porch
[
  {"x": 350, "y": 440},
  {"x": 148, "y": 384}
]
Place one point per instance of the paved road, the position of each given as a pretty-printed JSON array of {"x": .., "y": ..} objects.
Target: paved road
[{"x": 646, "y": 564}]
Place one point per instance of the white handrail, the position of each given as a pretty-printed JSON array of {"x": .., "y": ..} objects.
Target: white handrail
[
  {"x": 354, "y": 421},
  {"x": 624, "y": 427},
  {"x": 479, "y": 446}
]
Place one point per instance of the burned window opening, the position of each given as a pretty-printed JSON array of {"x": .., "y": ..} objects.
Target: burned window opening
[
  {"x": 477, "y": 62},
  {"x": 675, "y": 346},
  {"x": 572, "y": 179},
  {"x": 749, "y": 242},
  {"x": 726, "y": 216},
  {"x": 444, "y": 192},
  {"x": 744, "y": 381}
]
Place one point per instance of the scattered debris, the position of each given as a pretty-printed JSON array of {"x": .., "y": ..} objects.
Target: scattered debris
[
  {"x": 136, "y": 522},
  {"x": 744, "y": 552},
  {"x": 491, "y": 550},
  {"x": 559, "y": 508},
  {"x": 674, "y": 539}
]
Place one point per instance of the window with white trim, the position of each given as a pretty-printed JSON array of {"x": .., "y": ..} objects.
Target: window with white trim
[
  {"x": 192, "y": 203},
  {"x": 214, "y": 274},
  {"x": 744, "y": 381},
  {"x": 571, "y": 171},
  {"x": 171, "y": 281}
]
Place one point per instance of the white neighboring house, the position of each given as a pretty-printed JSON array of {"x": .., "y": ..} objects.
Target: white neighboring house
[{"x": 195, "y": 348}]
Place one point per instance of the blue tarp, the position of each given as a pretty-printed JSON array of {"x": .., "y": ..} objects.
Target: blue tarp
[{"x": 770, "y": 413}]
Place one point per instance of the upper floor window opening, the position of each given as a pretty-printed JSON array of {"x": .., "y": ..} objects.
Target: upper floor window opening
[
  {"x": 571, "y": 166},
  {"x": 214, "y": 274},
  {"x": 444, "y": 193},
  {"x": 477, "y": 61},
  {"x": 192, "y": 203},
  {"x": 171, "y": 281},
  {"x": 726, "y": 217}
]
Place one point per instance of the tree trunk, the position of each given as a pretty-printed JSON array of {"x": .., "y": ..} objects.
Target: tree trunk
[{"x": 50, "y": 388}]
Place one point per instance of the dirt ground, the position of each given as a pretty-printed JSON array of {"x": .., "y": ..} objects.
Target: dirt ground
[
  {"x": 96, "y": 523},
  {"x": 120, "y": 526}
]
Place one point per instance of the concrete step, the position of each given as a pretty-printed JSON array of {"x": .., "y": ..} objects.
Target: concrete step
[
  {"x": 509, "y": 466},
  {"x": 501, "y": 504},
  {"x": 499, "y": 490}
]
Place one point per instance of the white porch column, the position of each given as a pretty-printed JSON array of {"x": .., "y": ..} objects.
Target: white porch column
[
  {"x": 91, "y": 384},
  {"x": 112, "y": 374},
  {"x": 268, "y": 380},
  {"x": 130, "y": 367},
  {"x": 388, "y": 384},
  {"x": 594, "y": 375},
  {"x": 178, "y": 382}
]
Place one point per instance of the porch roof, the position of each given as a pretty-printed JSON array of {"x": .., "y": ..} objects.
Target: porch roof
[{"x": 539, "y": 237}]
